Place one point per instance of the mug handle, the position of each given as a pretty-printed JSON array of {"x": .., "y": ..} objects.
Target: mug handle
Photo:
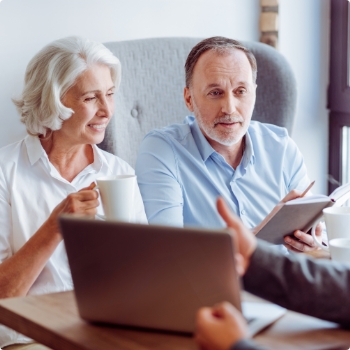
[
  {"x": 101, "y": 217},
  {"x": 313, "y": 232}
]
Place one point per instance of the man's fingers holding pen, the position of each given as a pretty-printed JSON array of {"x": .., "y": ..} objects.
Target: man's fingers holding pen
[
  {"x": 303, "y": 241},
  {"x": 299, "y": 245}
]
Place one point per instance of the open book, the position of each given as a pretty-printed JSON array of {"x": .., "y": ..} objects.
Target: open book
[{"x": 298, "y": 214}]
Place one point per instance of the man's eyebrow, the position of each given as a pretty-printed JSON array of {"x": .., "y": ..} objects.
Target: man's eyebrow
[
  {"x": 215, "y": 85},
  {"x": 95, "y": 91}
]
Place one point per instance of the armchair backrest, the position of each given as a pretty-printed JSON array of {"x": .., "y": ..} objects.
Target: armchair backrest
[{"x": 153, "y": 79}]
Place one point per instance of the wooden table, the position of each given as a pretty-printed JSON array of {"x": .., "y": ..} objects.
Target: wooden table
[{"x": 53, "y": 320}]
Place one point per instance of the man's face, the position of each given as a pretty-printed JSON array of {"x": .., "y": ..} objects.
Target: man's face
[{"x": 222, "y": 96}]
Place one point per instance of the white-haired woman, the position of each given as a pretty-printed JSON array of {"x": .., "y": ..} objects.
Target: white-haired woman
[{"x": 66, "y": 104}]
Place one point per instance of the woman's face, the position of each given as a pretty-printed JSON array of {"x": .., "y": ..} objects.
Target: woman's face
[{"x": 91, "y": 99}]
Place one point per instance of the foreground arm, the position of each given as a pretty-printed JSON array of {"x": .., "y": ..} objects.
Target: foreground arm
[
  {"x": 315, "y": 287},
  {"x": 318, "y": 288},
  {"x": 19, "y": 272}
]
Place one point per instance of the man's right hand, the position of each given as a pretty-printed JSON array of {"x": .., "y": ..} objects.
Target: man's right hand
[
  {"x": 245, "y": 241},
  {"x": 293, "y": 194}
]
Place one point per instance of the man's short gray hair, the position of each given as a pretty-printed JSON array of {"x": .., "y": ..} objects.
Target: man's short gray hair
[
  {"x": 50, "y": 74},
  {"x": 221, "y": 45}
]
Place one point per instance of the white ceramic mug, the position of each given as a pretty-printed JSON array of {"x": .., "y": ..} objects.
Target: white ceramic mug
[
  {"x": 337, "y": 224},
  {"x": 117, "y": 196},
  {"x": 340, "y": 249}
]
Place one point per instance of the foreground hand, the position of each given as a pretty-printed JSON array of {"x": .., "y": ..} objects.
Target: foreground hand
[
  {"x": 303, "y": 241},
  {"x": 245, "y": 241},
  {"x": 82, "y": 203},
  {"x": 219, "y": 327}
]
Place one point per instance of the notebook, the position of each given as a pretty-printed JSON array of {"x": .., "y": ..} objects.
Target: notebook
[
  {"x": 298, "y": 214},
  {"x": 153, "y": 277}
]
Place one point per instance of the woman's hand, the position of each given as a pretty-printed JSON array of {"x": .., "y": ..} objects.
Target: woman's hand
[
  {"x": 81, "y": 203},
  {"x": 18, "y": 273}
]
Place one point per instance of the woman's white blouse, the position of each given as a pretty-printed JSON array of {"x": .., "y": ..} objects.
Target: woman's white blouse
[{"x": 30, "y": 188}]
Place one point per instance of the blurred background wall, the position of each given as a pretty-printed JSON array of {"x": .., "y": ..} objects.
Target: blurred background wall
[{"x": 27, "y": 25}]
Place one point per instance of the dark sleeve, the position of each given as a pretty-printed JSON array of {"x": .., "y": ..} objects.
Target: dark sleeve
[
  {"x": 246, "y": 344},
  {"x": 318, "y": 288}
]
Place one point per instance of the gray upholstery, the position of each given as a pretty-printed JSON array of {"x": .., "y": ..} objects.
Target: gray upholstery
[{"x": 151, "y": 91}]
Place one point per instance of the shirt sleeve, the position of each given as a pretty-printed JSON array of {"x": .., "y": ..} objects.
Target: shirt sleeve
[
  {"x": 157, "y": 176},
  {"x": 318, "y": 288},
  {"x": 5, "y": 220},
  {"x": 294, "y": 168}
]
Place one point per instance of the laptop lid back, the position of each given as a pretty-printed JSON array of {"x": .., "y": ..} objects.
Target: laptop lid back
[{"x": 148, "y": 276}]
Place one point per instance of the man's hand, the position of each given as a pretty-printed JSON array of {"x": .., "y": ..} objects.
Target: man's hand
[
  {"x": 293, "y": 194},
  {"x": 82, "y": 203},
  {"x": 219, "y": 327},
  {"x": 245, "y": 241},
  {"x": 303, "y": 241}
]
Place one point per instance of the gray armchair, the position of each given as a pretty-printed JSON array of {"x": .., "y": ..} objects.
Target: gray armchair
[{"x": 151, "y": 91}]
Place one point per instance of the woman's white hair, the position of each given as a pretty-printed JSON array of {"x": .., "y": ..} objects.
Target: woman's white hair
[{"x": 50, "y": 74}]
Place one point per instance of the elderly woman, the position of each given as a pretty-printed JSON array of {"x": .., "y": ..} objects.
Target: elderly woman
[{"x": 66, "y": 105}]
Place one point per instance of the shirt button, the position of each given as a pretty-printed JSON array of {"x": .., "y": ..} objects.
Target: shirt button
[
  {"x": 134, "y": 113},
  {"x": 243, "y": 212}
]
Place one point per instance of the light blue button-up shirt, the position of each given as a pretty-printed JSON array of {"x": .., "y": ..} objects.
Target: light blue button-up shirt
[{"x": 180, "y": 175}]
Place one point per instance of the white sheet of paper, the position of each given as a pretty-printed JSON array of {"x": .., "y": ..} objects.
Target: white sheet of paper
[{"x": 261, "y": 314}]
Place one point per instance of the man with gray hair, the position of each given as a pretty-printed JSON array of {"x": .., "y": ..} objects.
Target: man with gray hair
[{"x": 183, "y": 168}]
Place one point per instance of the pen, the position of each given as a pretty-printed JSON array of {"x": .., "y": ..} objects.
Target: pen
[{"x": 307, "y": 189}]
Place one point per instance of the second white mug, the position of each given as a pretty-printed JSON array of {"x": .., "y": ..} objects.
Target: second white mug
[
  {"x": 337, "y": 224},
  {"x": 340, "y": 249}
]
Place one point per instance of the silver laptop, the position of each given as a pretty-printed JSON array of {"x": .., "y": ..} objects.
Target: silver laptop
[{"x": 149, "y": 276}]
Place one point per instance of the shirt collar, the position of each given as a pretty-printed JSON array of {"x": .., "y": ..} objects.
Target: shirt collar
[
  {"x": 202, "y": 143},
  {"x": 249, "y": 155},
  {"x": 206, "y": 150},
  {"x": 99, "y": 158},
  {"x": 35, "y": 152},
  {"x": 34, "y": 148}
]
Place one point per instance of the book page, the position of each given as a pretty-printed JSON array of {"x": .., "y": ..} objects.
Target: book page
[
  {"x": 341, "y": 194},
  {"x": 318, "y": 198}
]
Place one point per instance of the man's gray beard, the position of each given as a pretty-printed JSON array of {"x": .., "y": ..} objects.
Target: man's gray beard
[{"x": 229, "y": 139}]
